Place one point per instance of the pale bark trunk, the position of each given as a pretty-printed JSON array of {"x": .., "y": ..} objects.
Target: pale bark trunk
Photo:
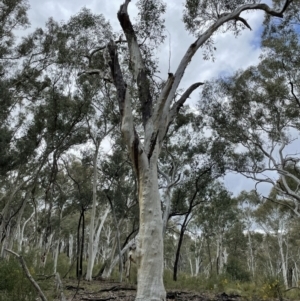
[
  {"x": 107, "y": 272},
  {"x": 167, "y": 201},
  {"x": 18, "y": 236},
  {"x": 59, "y": 287},
  {"x": 62, "y": 247},
  {"x": 4, "y": 214},
  {"x": 5, "y": 242},
  {"x": 118, "y": 238},
  {"x": 220, "y": 254},
  {"x": 283, "y": 259},
  {"x": 251, "y": 256},
  {"x": 21, "y": 234},
  {"x": 171, "y": 182},
  {"x": 71, "y": 242},
  {"x": 95, "y": 245},
  {"x": 150, "y": 243},
  {"x": 197, "y": 257},
  {"x": 47, "y": 248},
  {"x": 90, "y": 263},
  {"x": 56, "y": 252},
  {"x": 197, "y": 265},
  {"x": 296, "y": 274},
  {"x": 191, "y": 266},
  {"x": 56, "y": 257}
]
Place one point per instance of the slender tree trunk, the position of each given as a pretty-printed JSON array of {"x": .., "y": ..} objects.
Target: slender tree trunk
[
  {"x": 56, "y": 251},
  {"x": 82, "y": 245},
  {"x": 96, "y": 241},
  {"x": 183, "y": 228},
  {"x": 191, "y": 266},
  {"x": 197, "y": 265},
  {"x": 220, "y": 259},
  {"x": 118, "y": 237},
  {"x": 90, "y": 263},
  {"x": 209, "y": 254},
  {"x": 175, "y": 268},
  {"x": 4, "y": 214},
  {"x": 167, "y": 199},
  {"x": 283, "y": 262},
  {"x": 71, "y": 241},
  {"x": 108, "y": 270},
  {"x": 21, "y": 234},
  {"x": 78, "y": 272},
  {"x": 251, "y": 256},
  {"x": 18, "y": 235}
]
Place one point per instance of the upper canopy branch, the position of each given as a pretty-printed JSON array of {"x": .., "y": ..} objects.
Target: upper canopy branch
[
  {"x": 94, "y": 51},
  {"x": 235, "y": 15},
  {"x": 117, "y": 75},
  {"x": 136, "y": 63},
  {"x": 179, "y": 103},
  {"x": 166, "y": 115},
  {"x": 124, "y": 98}
]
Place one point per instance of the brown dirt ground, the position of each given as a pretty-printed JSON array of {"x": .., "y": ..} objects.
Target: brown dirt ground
[{"x": 98, "y": 290}]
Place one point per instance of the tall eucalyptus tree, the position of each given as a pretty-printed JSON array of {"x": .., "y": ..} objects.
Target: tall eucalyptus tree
[{"x": 144, "y": 136}]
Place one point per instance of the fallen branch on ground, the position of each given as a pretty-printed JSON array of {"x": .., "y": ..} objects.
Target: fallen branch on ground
[
  {"x": 98, "y": 299},
  {"x": 118, "y": 288},
  {"x": 28, "y": 275}
]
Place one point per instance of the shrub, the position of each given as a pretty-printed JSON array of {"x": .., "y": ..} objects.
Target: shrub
[
  {"x": 14, "y": 286},
  {"x": 237, "y": 271}
]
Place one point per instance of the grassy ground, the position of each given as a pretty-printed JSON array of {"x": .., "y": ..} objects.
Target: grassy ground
[{"x": 15, "y": 287}]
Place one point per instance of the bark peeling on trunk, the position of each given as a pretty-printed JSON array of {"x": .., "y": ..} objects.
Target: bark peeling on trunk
[{"x": 150, "y": 242}]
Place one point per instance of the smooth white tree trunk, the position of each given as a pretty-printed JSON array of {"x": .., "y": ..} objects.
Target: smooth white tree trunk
[
  {"x": 191, "y": 266},
  {"x": 197, "y": 265},
  {"x": 56, "y": 252},
  {"x": 107, "y": 272},
  {"x": 283, "y": 259},
  {"x": 95, "y": 245},
  {"x": 62, "y": 246},
  {"x": 47, "y": 248},
  {"x": 71, "y": 242},
  {"x": 150, "y": 243},
  {"x": 21, "y": 234},
  {"x": 167, "y": 202},
  {"x": 251, "y": 261},
  {"x": 90, "y": 263}
]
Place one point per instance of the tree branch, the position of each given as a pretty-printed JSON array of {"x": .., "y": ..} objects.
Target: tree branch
[
  {"x": 127, "y": 127},
  {"x": 28, "y": 275},
  {"x": 138, "y": 67},
  {"x": 283, "y": 204},
  {"x": 210, "y": 31},
  {"x": 117, "y": 75},
  {"x": 292, "y": 90},
  {"x": 243, "y": 21},
  {"x": 179, "y": 103}
]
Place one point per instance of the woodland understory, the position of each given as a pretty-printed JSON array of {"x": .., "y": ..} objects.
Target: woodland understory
[{"x": 112, "y": 179}]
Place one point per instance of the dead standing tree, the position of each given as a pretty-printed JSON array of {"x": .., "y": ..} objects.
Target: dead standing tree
[{"x": 204, "y": 17}]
